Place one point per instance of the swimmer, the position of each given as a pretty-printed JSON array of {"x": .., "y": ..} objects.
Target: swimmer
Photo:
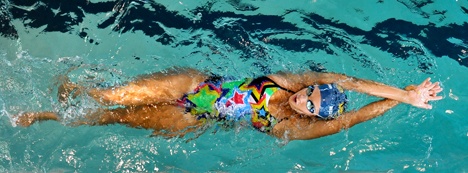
[{"x": 286, "y": 105}]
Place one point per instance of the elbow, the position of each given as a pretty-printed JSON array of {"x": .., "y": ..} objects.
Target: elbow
[
  {"x": 349, "y": 83},
  {"x": 349, "y": 119}
]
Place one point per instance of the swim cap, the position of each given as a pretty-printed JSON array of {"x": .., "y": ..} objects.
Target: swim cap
[{"x": 333, "y": 101}]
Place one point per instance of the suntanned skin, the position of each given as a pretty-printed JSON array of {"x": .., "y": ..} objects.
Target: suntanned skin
[{"x": 151, "y": 103}]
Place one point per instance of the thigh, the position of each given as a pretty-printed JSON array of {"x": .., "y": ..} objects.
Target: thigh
[
  {"x": 165, "y": 118},
  {"x": 150, "y": 89}
]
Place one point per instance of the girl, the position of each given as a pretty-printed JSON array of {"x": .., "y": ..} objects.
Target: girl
[{"x": 286, "y": 105}]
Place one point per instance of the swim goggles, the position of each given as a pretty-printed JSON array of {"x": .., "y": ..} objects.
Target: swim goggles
[{"x": 310, "y": 104}]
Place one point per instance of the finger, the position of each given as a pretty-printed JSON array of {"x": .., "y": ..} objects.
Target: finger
[
  {"x": 425, "y": 82},
  {"x": 435, "y": 91},
  {"x": 428, "y": 83},
  {"x": 426, "y": 106},
  {"x": 437, "y": 85},
  {"x": 431, "y": 86},
  {"x": 436, "y": 88},
  {"x": 434, "y": 98},
  {"x": 432, "y": 93}
]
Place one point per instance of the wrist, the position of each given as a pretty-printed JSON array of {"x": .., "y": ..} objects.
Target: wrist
[{"x": 407, "y": 97}]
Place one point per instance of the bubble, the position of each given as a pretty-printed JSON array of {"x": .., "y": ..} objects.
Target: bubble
[
  {"x": 453, "y": 96},
  {"x": 198, "y": 17}
]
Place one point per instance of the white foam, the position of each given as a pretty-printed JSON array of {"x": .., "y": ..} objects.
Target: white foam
[
  {"x": 453, "y": 96},
  {"x": 4, "y": 112}
]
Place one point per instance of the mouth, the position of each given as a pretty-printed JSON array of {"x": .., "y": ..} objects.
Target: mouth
[{"x": 292, "y": 99}]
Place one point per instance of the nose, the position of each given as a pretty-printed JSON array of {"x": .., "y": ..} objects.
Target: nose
[{"x": 302, "y": 98}]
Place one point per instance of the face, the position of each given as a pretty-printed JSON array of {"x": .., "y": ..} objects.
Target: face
[{"x": 305, "y": 99}]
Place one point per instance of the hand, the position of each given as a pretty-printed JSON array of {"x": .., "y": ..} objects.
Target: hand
[{"x": 420, "y": 95}]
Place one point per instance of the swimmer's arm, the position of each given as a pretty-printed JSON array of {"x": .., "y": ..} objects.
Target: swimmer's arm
[
  {"x": 418, "y": 97},
  {"x": 299, "y": 81},
  {"x": 303, "y": 129}
]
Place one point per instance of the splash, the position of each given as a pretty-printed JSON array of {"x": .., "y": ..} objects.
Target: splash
[
  {"x": 4, "y": 112},
  {"x": 453, "y": 96}
]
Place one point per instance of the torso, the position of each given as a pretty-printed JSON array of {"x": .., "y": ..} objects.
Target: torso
[{"x": 249, "y": 99}]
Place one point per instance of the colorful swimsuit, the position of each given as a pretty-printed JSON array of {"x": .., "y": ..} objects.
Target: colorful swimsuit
[{"x": 232, "y": 100}]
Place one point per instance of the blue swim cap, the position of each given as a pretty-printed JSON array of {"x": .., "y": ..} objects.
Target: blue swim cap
[{"x": 333, "y": 101}]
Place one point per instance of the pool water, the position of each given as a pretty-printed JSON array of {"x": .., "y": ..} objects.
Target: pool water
[{"x": 109, "y": 42}]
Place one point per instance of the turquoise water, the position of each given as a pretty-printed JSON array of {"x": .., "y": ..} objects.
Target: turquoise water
[{"x": 395, "y": 42}]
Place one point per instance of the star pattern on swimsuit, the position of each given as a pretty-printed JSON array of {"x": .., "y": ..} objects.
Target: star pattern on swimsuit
[
  {"x": 258, "y": 90},
  {"x": 262, "y": 112},
  {"x": 208, "y": 99},
  {"x": 239, "y": 98}
]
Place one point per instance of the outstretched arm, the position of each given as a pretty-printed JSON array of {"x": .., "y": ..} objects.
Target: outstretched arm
[
  {"x": 419, "y": 97},
  {"x": 307, "y": 128},
  {"x": 300, "y": 81}
]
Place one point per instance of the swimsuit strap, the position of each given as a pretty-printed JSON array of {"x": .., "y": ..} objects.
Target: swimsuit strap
[
  {"x": 265, "y": 78},
  {"x": 262, "y": 89}
]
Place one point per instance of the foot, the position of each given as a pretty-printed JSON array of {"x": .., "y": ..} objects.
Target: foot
[{"x": 29, "y": 118}]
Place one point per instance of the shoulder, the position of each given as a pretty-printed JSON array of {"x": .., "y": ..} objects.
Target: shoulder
[{"x": 295, "y": 81}]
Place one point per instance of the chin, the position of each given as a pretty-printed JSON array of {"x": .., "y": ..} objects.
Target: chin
[{"x": 291, "y": 101}]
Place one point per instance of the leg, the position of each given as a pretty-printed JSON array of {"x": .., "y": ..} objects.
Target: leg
[
  {"x": 150, "y": 89},
  {"x": 27, "y": 119},
  {"x": 166, "y": 120}
]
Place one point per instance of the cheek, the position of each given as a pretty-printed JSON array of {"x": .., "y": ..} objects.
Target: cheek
[
  {"x": 298, "y": 111},
  {"x": 292, "y": 104},
  {"x": 296, "y": 107}
]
